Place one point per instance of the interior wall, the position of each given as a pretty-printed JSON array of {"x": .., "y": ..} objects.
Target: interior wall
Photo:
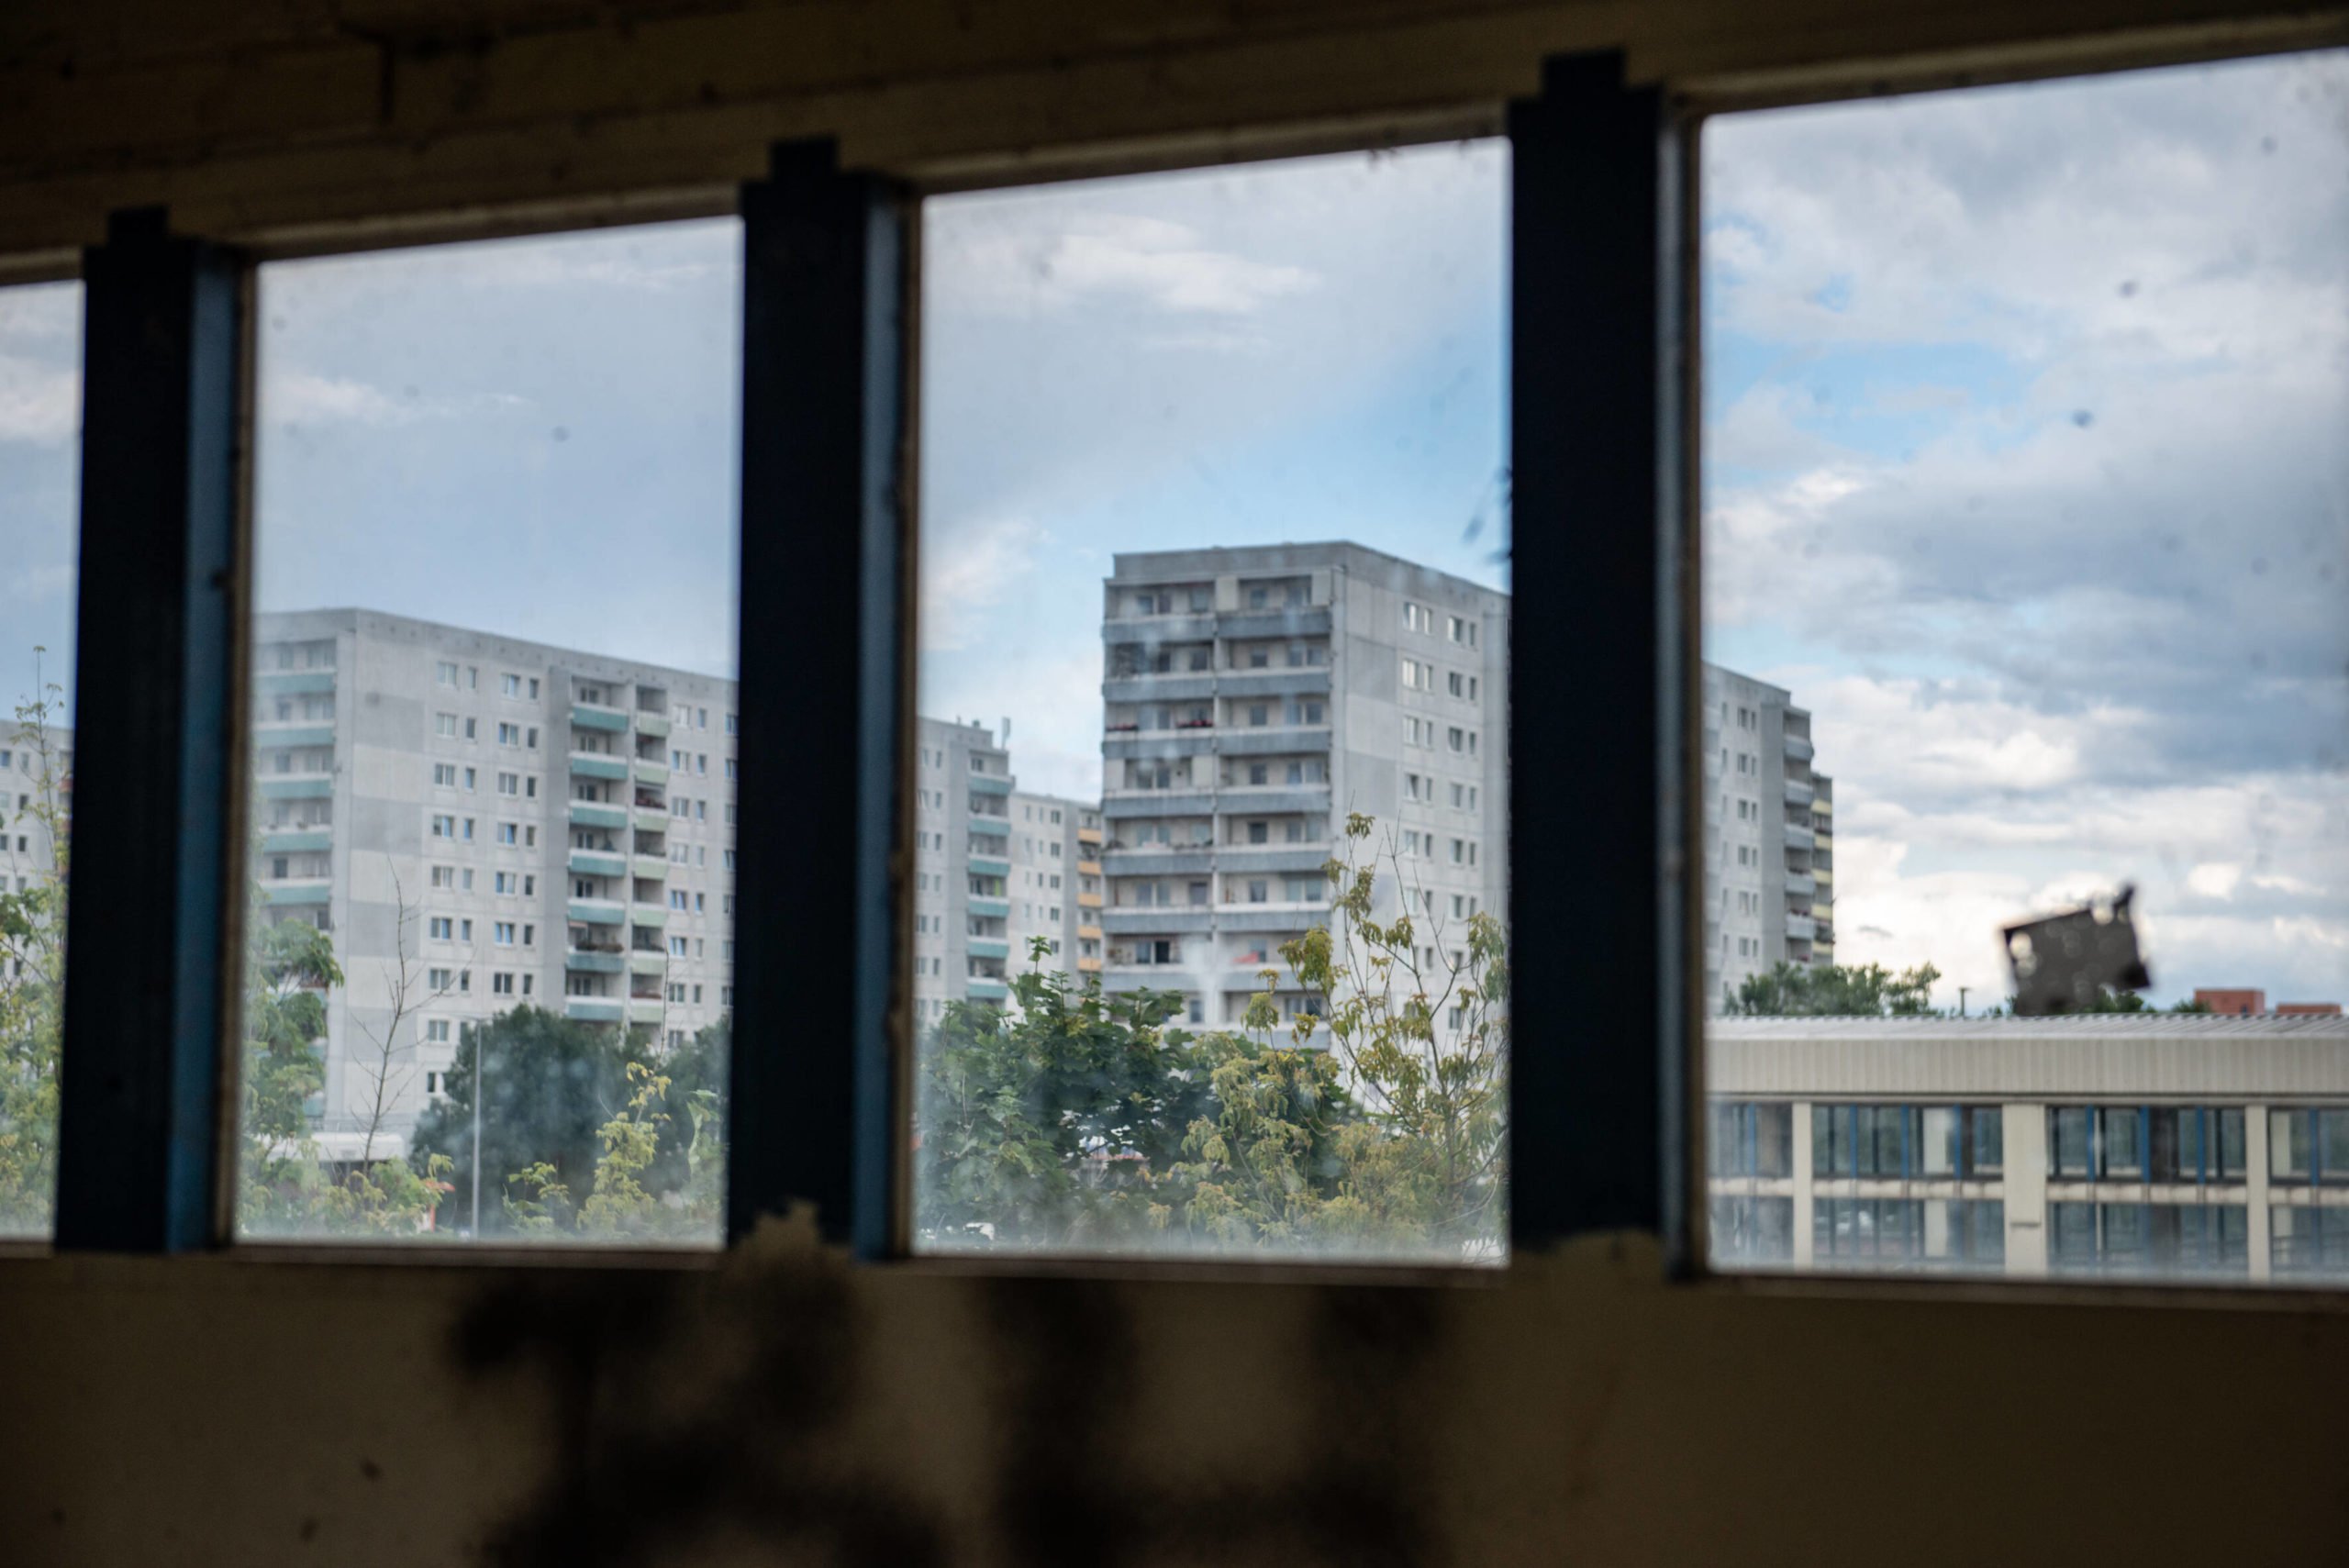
[{"x": 788, "y": 1409}]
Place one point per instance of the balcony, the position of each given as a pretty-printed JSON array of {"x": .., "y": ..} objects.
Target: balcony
[
  {"x": 297, "y": 787},
  {"x": 1267, "y": 800},
  {"x": 1157, "y": 919},
  {"x": 651, "y": 772},
  {"x": 1798, "y": 748},
  {"x": 295, "y": 840},
  {"x": 589, "y": 961},
  {"x": 593, "y": 1009},
  {"x": 1090, "y": 868},
  {"x": 987, "y": 865},
  {"x": 645, "y": 1009},
  {"x": 989, "y": 784},
  {"x": 1799, "y": 837},
  {"x": 596, "y": 911},
  {"x": 1163, "y": 860},
  {"x": 1799, "y": 882},
  {"x": 282, "y": 737},
  {"x": 1798, "y": 792},
  {"x": 1800, "y": 928},
  {"x": 596, "y": 716},
  {"x": 645, "y": 961},
  {"x": 1289, "y": 680},
  {"x": 595, "y": 814},
  {"x": 652, "y": 868},
  {"x": 303, "y": 890},
  {"x": 1195, "y": 626},
  {"x": 1185, "y": 800},
  {"x": 1260, "y": 858},
  {"x": 987, "y": 947},
  {"x": 1275, "y": 740},
  {"x": 1294, "y": 620},
  {"x": 1089, "y": 900},
  {"x": 1287, "y": 920},
  {"x": 656, "y": 725},
  {"x": 992, "y": 826},
  {"x": 597, "y": 765},
  {"x": 594, "y": 863},
  {"x": 652, "y": 818},
  {"x": 290, "y": 683},
  {"x": 987, "y": 908},
  {"x": 1173, "y": 685},
  {"x": 654, "y": 914},
  {"x": 1158, "y": 746},
  {"x": 1088, "y": 966}
]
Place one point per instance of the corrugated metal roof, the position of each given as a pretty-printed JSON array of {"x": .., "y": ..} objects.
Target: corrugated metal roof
[{"x": 2080, "y": 1027}]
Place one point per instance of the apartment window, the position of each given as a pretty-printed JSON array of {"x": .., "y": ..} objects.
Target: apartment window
[
  {"x": 510, "y": 783},
  {"x": 502, "y": 882},
  {"x": 510, "y": 685},
  {"x": 444, "y": 775},
  {"x": 501, "y": 982},
  {"x": 2309, "y": 1146},
  {"x": 444, "y": 673},
  {"x": 502, "y": 933},
  {"x": 509, "y": 734},
  {"x": 441, "y": 928},
  {"x": 509, "y": 833}
]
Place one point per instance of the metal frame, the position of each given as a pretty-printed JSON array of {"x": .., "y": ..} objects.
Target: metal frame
[
  {"x": 155, "y": 742},
  {"x": 1599, "y": 1099},
  {"x": 826, "y": 577}
]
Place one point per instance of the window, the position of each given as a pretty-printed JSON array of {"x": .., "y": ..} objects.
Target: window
[
  {"x": 528, "y": 395},
  {"x": 1280, "y": 628},
  {"x": 1874, "y": 399},
  {"x": 40, "y": 457}
]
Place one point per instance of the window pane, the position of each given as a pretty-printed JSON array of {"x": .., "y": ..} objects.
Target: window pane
[
  {"x": 2026, "y": 587},
  {"x": 489, "y": 984},
  {"x": 1166, "y": 1026},
  {"x": 40, "y": 450}
]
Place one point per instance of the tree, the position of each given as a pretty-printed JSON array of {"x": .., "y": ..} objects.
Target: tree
[
  {"x": 387, "y": 1066},
  {"x": 1827, "y": 990},
  {"x": 549, "y": 1086},
  {"x": 32, "y": 984}
]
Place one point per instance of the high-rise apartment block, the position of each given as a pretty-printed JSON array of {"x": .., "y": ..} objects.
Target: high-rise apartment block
[
  {"x": 1769, "y": 835},
  {"x": 1252, "y": 699},
  {"x": 482, "y": 822},
  {"x": 995, "y": 869}
]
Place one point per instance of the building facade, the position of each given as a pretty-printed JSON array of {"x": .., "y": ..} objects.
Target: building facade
[
  {"x": 2121, "y": 1144},
  {"x": 1252, "y": 698},
  {"x": 483, "y": 822},
  {"x": 995, "y": 869},
  {"x": 1769, "y": 835}
]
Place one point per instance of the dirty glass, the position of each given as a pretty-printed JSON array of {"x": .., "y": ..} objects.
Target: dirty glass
[
  {"x": 488, "y": 982},
  {"x": 2024, "y": 729},
  {"x": 1211, "y": 793},
  {"x": 41, "y": 460}
]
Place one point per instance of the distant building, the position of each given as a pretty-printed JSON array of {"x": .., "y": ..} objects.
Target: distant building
[
  {"x": 1254, "y": 697},
  {"x": 2236, "y": 1001},
  {"x": 1769, "y": 835},
  {"x": 2124, "y": 1143}
]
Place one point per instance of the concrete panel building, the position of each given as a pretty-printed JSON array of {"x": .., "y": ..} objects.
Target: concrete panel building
[
  {"x": 1254, "y": 697},
  {"x": 1769, "y": 835},
  {"x": 483, "y": 821},
  {"x": 2143, "y": 1144}
]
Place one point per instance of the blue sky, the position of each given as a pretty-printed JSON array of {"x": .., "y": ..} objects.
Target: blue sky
[{"x": 2023, "y": 467}]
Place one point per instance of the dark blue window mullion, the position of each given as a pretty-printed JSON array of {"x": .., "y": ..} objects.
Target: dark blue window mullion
[{"x": 142, "y": 1088}]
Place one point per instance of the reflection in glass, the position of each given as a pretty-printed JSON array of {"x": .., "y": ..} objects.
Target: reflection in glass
[
  {"x": 40, "y": 419},
  {"x": 488, "y": 982},
  {"x": 2026, "y": 580},
  {"x": 1210, "y": 823}
]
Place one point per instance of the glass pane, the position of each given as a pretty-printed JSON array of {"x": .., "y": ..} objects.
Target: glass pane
[
  {"x": 1195, "y": 1011},
  {"x": 41, "y": 467},
  {"x": 489, "y": 984},
  {"x": 2026, "y": 603}
]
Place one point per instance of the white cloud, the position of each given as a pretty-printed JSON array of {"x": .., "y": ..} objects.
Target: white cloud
[
  {"x": 967, "y": 572},
  {"x": 2215, "y": 879},
  {"x": 299, "y": 397},
  {"x": 40, "y": 402},
  {"x": 1044, "y": 258}
]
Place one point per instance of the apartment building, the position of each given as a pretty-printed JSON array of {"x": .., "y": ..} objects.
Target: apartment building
[
  {"x": 1769, "y": 835},
  {"x": 36, "y": 766},
  {"x": 994, "y": 869},
  {"x": 482, "y": 822},
  {"x": 2145, "y": 1143},
  {"x": 1252, "y": 698}
]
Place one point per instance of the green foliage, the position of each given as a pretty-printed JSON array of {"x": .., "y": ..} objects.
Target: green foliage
[
  {"x": 32, "y": 987},
  {"x": 1373, "y": 1121},
  {"x": 1828, "y": 990}
]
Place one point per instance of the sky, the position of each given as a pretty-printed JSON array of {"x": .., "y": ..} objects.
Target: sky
[{"x": 2022, "y": 438}]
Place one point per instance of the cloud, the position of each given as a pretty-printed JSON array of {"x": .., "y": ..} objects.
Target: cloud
[
  {"x": 2215, "y": 879},
  {"x": 300, "y": 398},
  {"x": 1038, "y": 260},
  {"x": 969, "y": 573},
  {"x": 40, "y": 402}
]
